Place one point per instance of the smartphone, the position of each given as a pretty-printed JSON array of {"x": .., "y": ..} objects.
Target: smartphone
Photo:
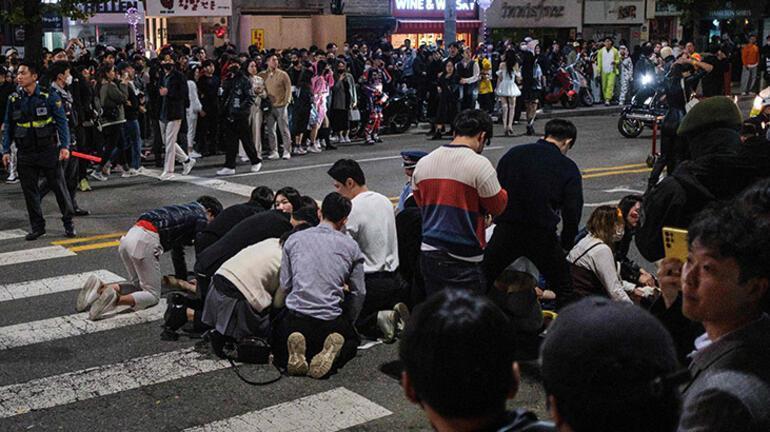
[{"x": 675, "y": 243}]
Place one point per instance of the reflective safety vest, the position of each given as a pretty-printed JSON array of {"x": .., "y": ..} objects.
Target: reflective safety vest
[{"x": 33, "y": 123}]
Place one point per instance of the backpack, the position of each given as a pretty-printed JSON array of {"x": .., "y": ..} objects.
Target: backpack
[{"x": 253, "y": 350}]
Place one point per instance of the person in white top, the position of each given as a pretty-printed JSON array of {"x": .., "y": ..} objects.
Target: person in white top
[
  {"x": 258, "y": 84},
  {"x": 372, "y": 224},
  {"x": 195, "y": 106},
  {"x": 591, "y": 260},
  {"x": 507, "y": 90}
]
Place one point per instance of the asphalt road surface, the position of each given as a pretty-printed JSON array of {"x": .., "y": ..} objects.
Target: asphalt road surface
[{"x": 60, "y": 372}]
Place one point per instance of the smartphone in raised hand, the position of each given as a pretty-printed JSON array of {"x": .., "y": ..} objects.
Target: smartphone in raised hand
[{"x": 675, "y": 243}]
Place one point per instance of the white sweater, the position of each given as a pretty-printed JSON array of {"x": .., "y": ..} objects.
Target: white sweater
[
  {"x": 372, "y": 224},
  {"x": 601, "y": 262},
  {"x": 255, "y": 271}
]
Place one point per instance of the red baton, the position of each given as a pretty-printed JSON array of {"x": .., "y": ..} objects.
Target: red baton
[{"x": 96, "y": 159}]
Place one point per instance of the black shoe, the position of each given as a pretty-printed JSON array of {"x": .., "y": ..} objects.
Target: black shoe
[
  {"x": 175, "y": 317},
  {"x": 81, "y": 212},
  {"x": 70, "y": 232},
  {"x": 436, "y": 136},
  {"x": 330, "y": 146},
  {"x": 377, "y": 139},
  {"x": 34, "y": 235},
  {"x": 530, "y": 130}
]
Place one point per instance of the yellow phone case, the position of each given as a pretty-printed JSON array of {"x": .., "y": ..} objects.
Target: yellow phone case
[{"x": 675, "y": 243}]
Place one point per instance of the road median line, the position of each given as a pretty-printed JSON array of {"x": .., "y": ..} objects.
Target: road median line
[
  {"x": 94, "y": 246},
  {"x": 620, "y": 172},
  {"x": 614, "y": 168},
  {"x": 88, "y": 239}
]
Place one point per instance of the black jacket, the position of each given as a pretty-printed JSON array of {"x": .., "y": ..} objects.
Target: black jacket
[
  {"x": 223, "y": 223},
  {"x": 176, "y": 100},
  {"x": 177, "y": 224},
  {"x": 544, "y": 186},
  {"x": 721, "y": 167},
  {"x": 239, "y": 97},
  {"x": 252, "y": 230}
]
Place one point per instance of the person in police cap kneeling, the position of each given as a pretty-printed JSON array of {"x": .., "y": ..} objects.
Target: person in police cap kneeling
[{"x": 34, "y": 119}]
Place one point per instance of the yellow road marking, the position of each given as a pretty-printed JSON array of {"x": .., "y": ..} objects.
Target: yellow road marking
[
  {"x": 87, "y": 239},
  {"x": 93, "y": 246},
  {"x": 614, "y": 168},
  {"x": 611, "y": 173}
]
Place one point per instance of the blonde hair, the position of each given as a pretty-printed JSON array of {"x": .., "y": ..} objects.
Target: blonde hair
[{"x": 603, "y": 223}]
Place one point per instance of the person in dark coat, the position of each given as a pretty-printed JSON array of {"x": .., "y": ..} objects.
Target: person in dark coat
[{"x": 448, "y": 98}]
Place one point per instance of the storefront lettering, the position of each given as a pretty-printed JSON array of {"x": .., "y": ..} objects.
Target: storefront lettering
[
  {"x": 114, "y": 6},
  {"x": 431, "y": 5},
  {"x": 538, "y": 11}
]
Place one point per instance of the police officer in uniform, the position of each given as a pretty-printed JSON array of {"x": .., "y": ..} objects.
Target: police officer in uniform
[
  {"x": 34, "y": 118},
  {"x": 61, "y": 81}
]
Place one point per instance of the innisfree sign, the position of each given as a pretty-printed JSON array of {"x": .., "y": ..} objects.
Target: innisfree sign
[{"x": 534, "y": 13}]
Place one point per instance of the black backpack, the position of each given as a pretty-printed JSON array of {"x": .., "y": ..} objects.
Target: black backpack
[{"x": 253, "y": 350}]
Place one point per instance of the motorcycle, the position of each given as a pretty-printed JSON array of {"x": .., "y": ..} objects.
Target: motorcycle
[
  {"x": 563, "y": 89},
  {"x": 399, "y": 113},
  {"x": 756, "y": 107},
  {"x": 580, "y": 83},
  {"x": 646, "y": 106}
]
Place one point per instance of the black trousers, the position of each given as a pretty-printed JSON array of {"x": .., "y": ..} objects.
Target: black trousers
[
  {"x": 383, "y": 291},
  {"x": 540, "y": 246},
  {"x": 29, "y": 176},
  {"x": 236, "y": 130},
  {"x": 71, "y": 170},
  {"x": 315, "y": 332}
]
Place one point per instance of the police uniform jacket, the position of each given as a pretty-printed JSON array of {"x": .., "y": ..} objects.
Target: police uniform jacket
[{"x": 37, "y": 124}]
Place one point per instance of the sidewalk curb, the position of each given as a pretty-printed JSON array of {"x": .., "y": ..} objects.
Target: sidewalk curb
[{"x": 581, "y": 112}]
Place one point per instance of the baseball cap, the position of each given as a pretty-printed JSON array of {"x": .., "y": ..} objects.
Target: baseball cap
[{"x": 601, "y": 349}]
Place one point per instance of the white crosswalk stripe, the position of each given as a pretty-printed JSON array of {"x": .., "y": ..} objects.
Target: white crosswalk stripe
[
  {"x": 31, "y": 255},
  {"x": 20, "y": 290},
  {"x": 329, "y": 411},
  {"x": 12, "y": 234},
  {"x": 50, "y": 329},
  {"x": 105, "y": 380}
]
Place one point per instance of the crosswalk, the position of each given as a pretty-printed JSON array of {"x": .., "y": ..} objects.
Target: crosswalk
[{"x": 61, "y": 362}]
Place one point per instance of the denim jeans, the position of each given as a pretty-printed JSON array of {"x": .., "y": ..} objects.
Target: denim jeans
[
  {"x": 442, "y": 271},
  {"x": 133, "y": 138}
]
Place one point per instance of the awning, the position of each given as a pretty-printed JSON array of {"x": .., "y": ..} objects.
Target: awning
[{"x": 434, "y": 26}]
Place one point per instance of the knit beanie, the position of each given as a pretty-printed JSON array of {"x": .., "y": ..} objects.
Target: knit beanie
[{"x": 717, "y": 111}]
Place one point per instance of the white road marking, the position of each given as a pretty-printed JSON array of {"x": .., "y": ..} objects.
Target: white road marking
[
  {"x": 609, "y": 203},
  {"x": 329, "y": 411},
  {"x": 624, "y": 189},
  {"x": 12, "y": 234},
  {"x": 52, "y": 285},
  {"x": 23, "y": 334},
  {"x": 223, "y": 185},
  {"x": 29, "y": 255},
  {"x": 57, "y": 390}
]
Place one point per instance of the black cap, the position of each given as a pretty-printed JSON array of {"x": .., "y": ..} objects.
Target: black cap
[{"x": 598, "y": 348}]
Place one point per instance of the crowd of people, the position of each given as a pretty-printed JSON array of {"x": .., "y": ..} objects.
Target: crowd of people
[{"x": 470, "y": 263}]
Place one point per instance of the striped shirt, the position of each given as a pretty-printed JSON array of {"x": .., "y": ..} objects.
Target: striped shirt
[{"x": 455, "y": 188}]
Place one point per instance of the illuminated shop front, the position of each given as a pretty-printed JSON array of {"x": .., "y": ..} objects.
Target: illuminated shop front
[{"x": 422, "y": 22}]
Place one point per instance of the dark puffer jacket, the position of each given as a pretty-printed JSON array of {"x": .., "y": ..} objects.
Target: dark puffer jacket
[{"x": 177, "y": 224}]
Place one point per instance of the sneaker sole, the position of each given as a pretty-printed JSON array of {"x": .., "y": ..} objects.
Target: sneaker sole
[
  {"x": 402, "y": 317},
  {"x": 91, "y": 284},
  {"x": 297, "y": 364},
  {"x": 102, "y": 305},
  {"x": 386, "y": 324},
  {"x": 322, "y": 363}
]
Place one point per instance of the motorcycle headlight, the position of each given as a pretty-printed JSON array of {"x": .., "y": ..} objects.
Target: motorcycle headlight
[
  {"x": 757, "y": 104},
  {"x": 646, "y": 79},
  {"x": 648, "y": 101}
]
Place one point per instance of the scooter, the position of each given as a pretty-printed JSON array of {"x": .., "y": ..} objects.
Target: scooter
[
  {"x": 563, "y": 89},
  {"x": 646, "y": 106}
]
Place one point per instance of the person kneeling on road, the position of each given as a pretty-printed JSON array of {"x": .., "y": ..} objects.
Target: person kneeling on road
[
  {"x": 240, "y": 303},
  {"x": 166, "y": 228},
  {"x": 324, "y": 295}
]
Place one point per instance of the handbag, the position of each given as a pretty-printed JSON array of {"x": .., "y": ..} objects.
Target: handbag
[
  {"x": 265, "y": 105},
  {"x": 253, "y": 350},
  {"x": 354, "y": 115}
]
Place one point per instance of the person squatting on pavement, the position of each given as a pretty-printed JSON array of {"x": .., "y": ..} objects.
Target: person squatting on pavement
[
  {"x": 34, "y": 120},
  {"x": 155, "y": 232}
]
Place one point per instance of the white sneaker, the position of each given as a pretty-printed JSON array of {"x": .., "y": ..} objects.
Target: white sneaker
[
  {"x": 188, "y": 166},
  {"x": 273, "y": 156},
  {"x": 347, "y": 139},
  {"x": 130, "y": 173},
  {"x": 88, "y": 294},
  {"x": 12, "y": 179},
  {"x": 166, "y": 176},
  {"x": 97, "y": 175},
  {"x": 286, "y": 155},
  {"x": 315, "y": 148},
  {"x": 335, "y": 139},
  {"x": 226, "y": 172},
  {"x": 141, "y": 170},
  {"x": 256, "y": 167},
  {"x": 195, "y": 155},
  {"x": 245, "y": 159},
  {"x": 105, "y": 303}
]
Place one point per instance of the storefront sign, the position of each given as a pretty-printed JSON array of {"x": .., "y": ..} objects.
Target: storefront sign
[
  {"x": 258, "y": 38},
  {"x": 186, "y": 8},
  {"x": 111, "y": 12},
  {"x": 431, "y": 8},
  {"x": 613, "y": 12},
  {"x": 52, "y": 22},
  {"x": 534, "y": 13}
]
